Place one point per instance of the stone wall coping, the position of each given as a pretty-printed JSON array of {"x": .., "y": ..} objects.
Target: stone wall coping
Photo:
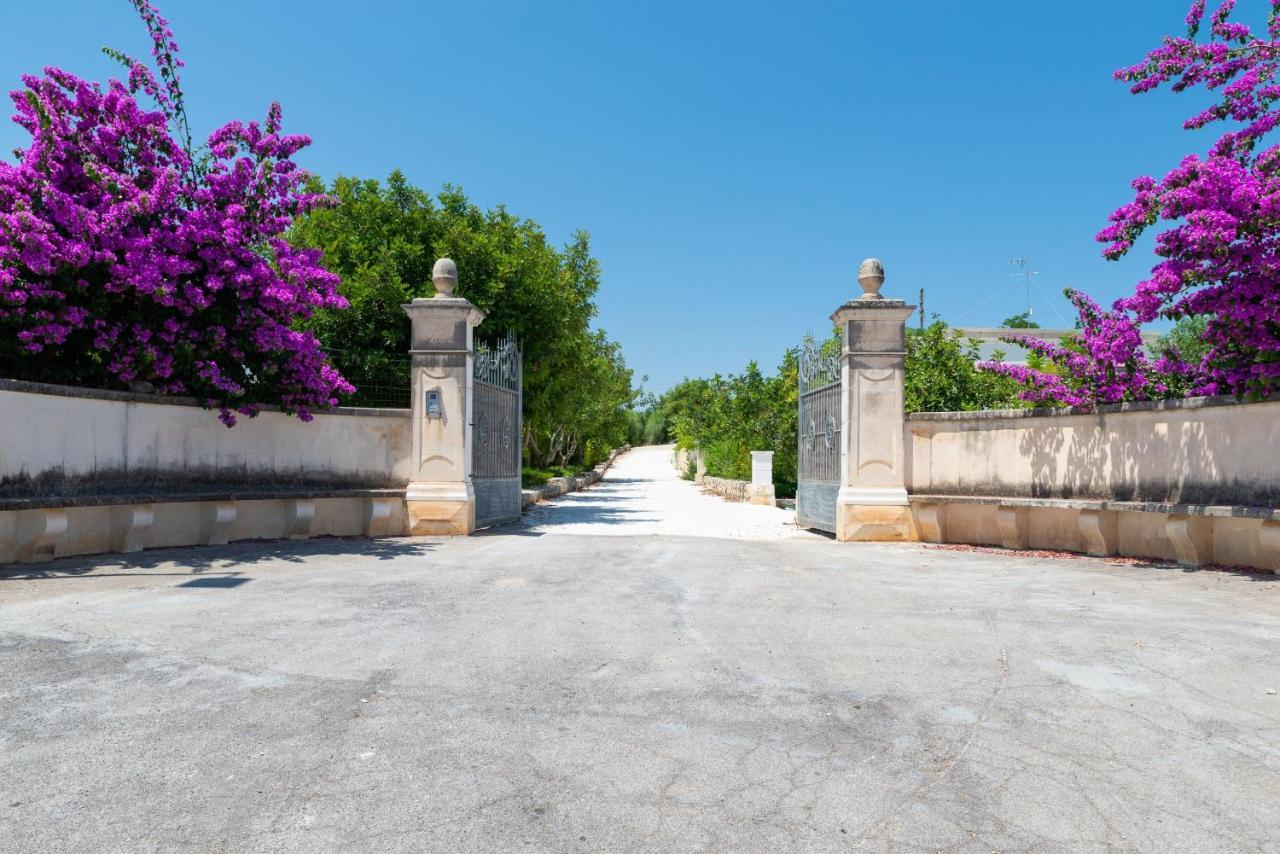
[
  {"x": 28, "y": 387},
  {"x": 65, "y": 501},
  {"x": 1189, "y": 403},
  {"x": 1218, "y": 510}
]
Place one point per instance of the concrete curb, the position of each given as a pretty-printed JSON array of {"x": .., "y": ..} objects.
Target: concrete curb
[{"x": 558, "y": 486}]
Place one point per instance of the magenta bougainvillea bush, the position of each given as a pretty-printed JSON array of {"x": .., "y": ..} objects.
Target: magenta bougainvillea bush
[
  {"x": 1221, "y": 257},
  {"x": 1107, "y": 363},
  {"x": 129, "y": 255}
]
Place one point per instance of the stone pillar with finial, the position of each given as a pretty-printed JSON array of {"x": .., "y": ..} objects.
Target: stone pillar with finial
[
  {"x": 872, "y": 502},
  {"x": 440, "y": 498}
]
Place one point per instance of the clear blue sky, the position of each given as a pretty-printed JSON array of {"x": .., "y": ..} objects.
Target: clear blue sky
[{"x": 733, "y": 161}]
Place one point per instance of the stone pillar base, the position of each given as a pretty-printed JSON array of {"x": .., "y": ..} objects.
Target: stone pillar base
[
  {"x": 874, "y": 524},
  {"x": 874, "y": 516},
  {"x": 440, "y": 510},
  {"x": 762, "y": 495}
]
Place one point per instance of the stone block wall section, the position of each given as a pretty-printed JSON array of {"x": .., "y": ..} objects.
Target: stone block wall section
[
  {"x": 730, "y": 490},
  {"x": 758, "y": 490},
  {"x": 684, "y": 459},
  {"x": 37, "y": 530},
  {"x": 1194, "y": 481}
]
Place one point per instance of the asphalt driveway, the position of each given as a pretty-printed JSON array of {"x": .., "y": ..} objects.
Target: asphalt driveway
[{"x": 549, "y": 689}]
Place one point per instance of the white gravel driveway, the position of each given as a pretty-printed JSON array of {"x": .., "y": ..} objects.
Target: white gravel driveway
[{"x": 643, "y": 494}]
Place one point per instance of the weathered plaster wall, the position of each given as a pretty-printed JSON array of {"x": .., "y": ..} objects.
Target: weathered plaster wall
[
  {"x": 1199, "y": 451},
  {"x": 1197, "y": 481},
  {"x": 72, "y": 437}
]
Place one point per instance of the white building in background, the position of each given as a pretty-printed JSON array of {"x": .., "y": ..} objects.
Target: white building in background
[{"x": 990, "y": 343}]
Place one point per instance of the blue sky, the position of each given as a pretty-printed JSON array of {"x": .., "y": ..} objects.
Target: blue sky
[{"x": 733, "y": 161}]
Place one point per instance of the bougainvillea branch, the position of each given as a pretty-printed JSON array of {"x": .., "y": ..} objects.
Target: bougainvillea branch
[
  {"x": 167, "y": 94},
  {"x": 121, "y": 263},
  {"x": 1221, "y": 257},
  {"x": 1104, "y": 363}
]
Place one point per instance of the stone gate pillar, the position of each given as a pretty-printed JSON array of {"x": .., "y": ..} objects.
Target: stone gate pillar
[
  {"x": 872, "y": 502},
  {"x": 440, "y": 498}
]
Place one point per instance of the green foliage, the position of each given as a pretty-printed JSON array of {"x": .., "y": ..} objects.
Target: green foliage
[
  {"x": 646, "y": 423},
  {"x": 941, "y": 375},
  {"x": 1185, "y": 343},
  {"x": 727, "y": 418},
  {"x": 690, "y": 469},
  {"x": 532, "y": 478},
  {"x": 1186, "y": 339},
  {"x": 1019, "y": 321},
  {"x": 383, "y": 240}
]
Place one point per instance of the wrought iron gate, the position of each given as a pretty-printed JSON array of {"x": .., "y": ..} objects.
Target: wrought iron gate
[
  {"x": 818, "y": 475},
  {"x": 496, "y": 432}
]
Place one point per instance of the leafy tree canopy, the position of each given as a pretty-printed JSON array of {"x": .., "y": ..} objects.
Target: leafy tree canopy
[
  {"x": 383, "y": 240},
  {"x": 942, "y": 374},
  {"x": 1019, "y": 321}
]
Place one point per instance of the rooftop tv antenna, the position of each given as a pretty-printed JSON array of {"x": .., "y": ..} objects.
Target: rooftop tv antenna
[{"x": 1029, "y": 276}]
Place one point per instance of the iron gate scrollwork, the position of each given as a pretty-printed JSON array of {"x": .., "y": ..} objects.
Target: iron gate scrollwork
[
  {"x": 819, "y": 429},
  {"x": 497, "y": 380}
]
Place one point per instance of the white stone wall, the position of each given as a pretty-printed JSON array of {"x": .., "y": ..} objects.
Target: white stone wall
[
  {"x": 1199, "y": 451},
  {"x": 79, "y": 434},
  {"x": 1196, "y": 481}
]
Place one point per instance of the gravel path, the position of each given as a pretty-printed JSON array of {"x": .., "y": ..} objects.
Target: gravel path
[{"x": 643, "y": 495}]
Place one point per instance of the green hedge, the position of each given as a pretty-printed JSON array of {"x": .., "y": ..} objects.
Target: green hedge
[{"x": 531, "y": 478}]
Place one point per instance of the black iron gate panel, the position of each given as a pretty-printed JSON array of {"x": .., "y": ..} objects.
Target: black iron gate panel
[
  {"x": 495, "y": 448},
  {"x": 819, "y": 428}
]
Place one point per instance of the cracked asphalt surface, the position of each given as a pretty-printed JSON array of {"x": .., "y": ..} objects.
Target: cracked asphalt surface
[{"x": 545, "y": 687}]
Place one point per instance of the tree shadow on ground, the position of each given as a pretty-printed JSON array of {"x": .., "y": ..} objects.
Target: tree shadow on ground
[
  {"x": 601, "y": 505},
  {"x": 593, "y": 512},
  {"x": 217, "y": 560}
]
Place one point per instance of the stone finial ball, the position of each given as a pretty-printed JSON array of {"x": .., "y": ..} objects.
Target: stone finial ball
[
  {"x": 871, "y": 277},
  {"x": 444, "y": 275}
]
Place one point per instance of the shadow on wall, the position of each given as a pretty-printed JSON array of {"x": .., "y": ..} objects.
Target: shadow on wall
[
  {"x": 157, "y": 483},
  {"x": 1171, "y": 457},
  {"x": 216, "y": 562}
]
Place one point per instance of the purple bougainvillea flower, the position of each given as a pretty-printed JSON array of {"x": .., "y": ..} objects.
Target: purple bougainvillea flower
[
  {"x": 1221, "y": 255},
  {"x": 122, "y": 244}
]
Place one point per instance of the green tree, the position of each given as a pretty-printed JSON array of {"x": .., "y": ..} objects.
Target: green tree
[
  {"x": 727, "y": 418},
  {"x": 383, "y": 239},
  {"x": 1186, "y": 339},
  {"x": 941, "y": 374},
  {"x": 1019, "y": 321},
  {"x": 646, "y": 423}
]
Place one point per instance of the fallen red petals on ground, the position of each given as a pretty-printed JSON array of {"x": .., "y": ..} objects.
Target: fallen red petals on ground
[{"x": 1116, "y": 560}]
